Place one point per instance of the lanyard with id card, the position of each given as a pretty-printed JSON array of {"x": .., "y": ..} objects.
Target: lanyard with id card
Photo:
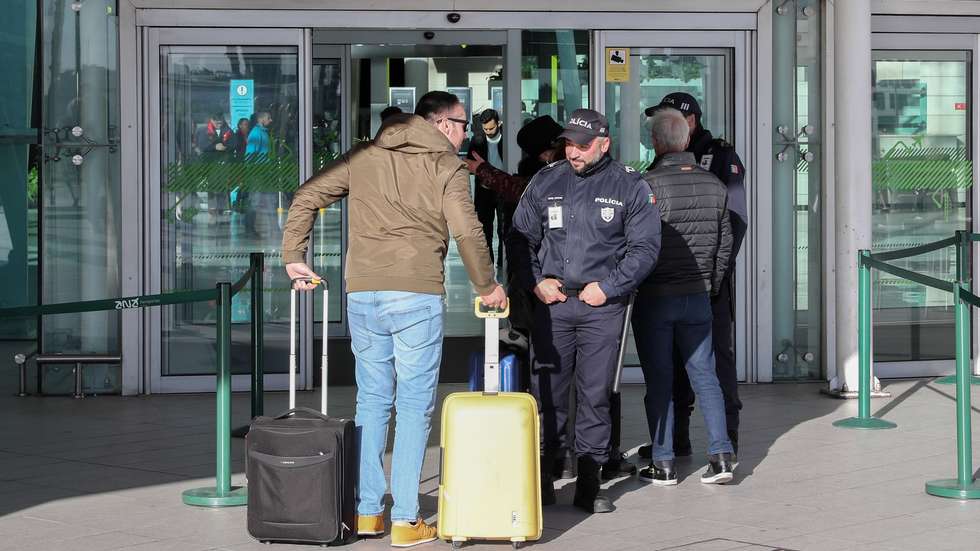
[{"x": 554, "y": 217}]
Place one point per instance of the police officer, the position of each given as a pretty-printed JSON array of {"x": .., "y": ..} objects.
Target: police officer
[
  {"x": 588, "y": 233},
  {"x": 718, "y": 157}
]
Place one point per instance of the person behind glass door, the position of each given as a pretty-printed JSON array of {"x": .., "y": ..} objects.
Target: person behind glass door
[
  {"x": 672, "y": 315},
  {"x": 212, "y": 143},
  {"x": 261, "y": 216},
  {"x": 410, "y": 178},
  {"x": 239, "y": 141},
  {"x": 489, "y": 146},
  {"x": 259, "y": 143}
]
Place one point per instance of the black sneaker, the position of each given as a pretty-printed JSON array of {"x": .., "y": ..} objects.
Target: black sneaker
[
  {"x": 617, "y": 467},
  {"x": 721, "y": 469},
  {"x": 660, "y": 473}
]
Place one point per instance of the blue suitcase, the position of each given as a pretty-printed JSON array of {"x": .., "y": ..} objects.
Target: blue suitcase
[{"x": 510, "y": 373}]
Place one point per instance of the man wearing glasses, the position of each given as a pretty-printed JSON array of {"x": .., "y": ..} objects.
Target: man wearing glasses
[{"x": 408, "y": 192}]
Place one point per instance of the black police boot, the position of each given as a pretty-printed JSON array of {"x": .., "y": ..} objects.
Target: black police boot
[
  {"x": 645, "y": 451},
  {"x": 587, "y": 496},
  {"x": 682, "y": 436},
  {"x": 660, "y": 473},
  {"x": 547, "y": 481},
  {"x": 721, "y": 469},
  {"x": 733, "y": 437},
  {"x": 617, "y": 466},
  {"x": 563, "y": 466}
]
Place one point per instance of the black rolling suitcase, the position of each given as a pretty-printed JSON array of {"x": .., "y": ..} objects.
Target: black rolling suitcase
[{"x": 302, "y": 467}]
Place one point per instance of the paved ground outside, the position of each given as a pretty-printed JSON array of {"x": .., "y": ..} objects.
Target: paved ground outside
[{"x": 107, "y": 473}]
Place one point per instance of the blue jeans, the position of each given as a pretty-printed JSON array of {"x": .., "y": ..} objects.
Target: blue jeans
[
  {"x": 396, "y": 338},
  {"x": 684, "y": 321}
]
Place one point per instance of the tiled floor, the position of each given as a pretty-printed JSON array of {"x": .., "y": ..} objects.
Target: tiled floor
[{"x": 107, "y": 472}]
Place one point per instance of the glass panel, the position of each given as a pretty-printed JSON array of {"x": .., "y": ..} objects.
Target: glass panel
[
  {"x": 922, "y": 175},
  {"x": 225, "y": 189},
  {"x": 328, "y": 234},
  {"x": 19, "y": 164},
  {"x": 80, "y": 187},
  {"x": 398, "y": 75},
  {"x": 554, "y": 73},
  {"x": 653, "y": 76},
  {"x": 797, "y": 212}
]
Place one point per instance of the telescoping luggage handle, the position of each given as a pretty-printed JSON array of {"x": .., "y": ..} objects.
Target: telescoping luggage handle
[
  {"x": 292, "y": 344},
  {"x": 622, "y": 343},
  {"x": 491, "y": 343}
]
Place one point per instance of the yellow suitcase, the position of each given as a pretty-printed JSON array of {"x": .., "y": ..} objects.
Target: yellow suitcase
[{"x": 490, "y": 477}]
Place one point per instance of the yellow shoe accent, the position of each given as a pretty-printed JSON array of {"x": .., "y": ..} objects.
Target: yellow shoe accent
[
  {"x": 404, "y": 534},
  {"x": 370, "y": 525}
]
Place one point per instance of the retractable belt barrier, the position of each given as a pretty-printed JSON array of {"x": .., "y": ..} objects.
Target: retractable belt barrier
[
  {"x": 964, "y": 486},
  {"x": 222, "y": 494}
]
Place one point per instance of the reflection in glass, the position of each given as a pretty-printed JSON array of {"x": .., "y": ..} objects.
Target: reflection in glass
[
  {"x": 229, "y": 166},
  {"x": 922, "y": 174},
  {"x": 398, "y": 75},
  {"x": 327, "y": 242},
  {"x": 651, "y": 78}
]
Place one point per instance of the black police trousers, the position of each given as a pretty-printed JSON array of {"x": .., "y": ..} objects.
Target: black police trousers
[
  {"x": 573, "y": 343},
  {"x": 723, "y": 332}
]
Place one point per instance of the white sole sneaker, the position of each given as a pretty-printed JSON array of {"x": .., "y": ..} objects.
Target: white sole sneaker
[
  {"x": 720, "y": 478},
  {"x": 414, "y": 543},
  {"x": 672, "y": 482}
]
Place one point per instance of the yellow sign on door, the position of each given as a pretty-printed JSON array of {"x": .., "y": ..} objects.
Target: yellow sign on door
[{"x": 617, "y": 64}]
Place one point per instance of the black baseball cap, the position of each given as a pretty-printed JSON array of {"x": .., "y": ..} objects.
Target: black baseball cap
[
  {"x": 585, "y": 125},
  {"x": 685, "y": 103}
]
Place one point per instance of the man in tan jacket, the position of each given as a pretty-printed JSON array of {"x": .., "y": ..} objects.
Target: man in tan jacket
[{"x": 408, "y": 191}]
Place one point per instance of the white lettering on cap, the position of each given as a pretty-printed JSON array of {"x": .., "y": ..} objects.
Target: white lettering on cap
[{"x": 581, "y": 122}]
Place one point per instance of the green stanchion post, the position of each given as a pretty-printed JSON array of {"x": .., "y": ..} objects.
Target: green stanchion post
[
  {"x": 963, "y": 244},
  {"x": 963, "y": 486},
  {"x": 864, "y": 420},
  {"x": 258, "y": 335},
  {"x": 256, "y": 262},
  {"x": 222, "y": 494}
]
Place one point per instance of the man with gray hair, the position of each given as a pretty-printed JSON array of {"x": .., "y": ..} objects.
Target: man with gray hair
[{"x": 673, "y": 305}]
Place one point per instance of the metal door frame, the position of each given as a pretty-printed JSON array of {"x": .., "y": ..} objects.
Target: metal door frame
[
  {"x": 738, "y": 44},
  {"x": 154, "y": 39}
]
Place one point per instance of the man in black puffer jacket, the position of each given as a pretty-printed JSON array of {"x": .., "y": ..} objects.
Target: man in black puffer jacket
[{"x": 673, "y": 306}]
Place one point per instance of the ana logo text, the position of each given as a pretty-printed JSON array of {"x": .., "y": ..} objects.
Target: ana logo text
[{"x": 128, "y": 303}]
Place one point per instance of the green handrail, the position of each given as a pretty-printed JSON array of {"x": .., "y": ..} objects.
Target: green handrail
[{"x": 964, "y": 486}]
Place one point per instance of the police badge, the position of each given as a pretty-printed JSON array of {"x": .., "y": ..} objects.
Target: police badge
[{"x": 607, "y": 213}]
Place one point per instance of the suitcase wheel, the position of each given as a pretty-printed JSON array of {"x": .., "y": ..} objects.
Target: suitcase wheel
[
  {"x": 457, "y": 544},
  {"x": 515, "y": 544}
]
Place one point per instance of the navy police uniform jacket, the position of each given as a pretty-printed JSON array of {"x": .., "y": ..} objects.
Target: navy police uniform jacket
[
  {"x": 601, "y": 226},
  {"x": 719, "y": 158}
]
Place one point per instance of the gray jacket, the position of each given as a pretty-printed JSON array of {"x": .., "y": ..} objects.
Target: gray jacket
[{"x": 696, "y": 233}]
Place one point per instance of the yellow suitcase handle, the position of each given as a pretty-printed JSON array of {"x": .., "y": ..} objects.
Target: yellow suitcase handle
[{"x": 483, "y": 311}]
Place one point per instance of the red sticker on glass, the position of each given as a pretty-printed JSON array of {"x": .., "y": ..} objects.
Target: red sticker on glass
[{"x": 959, "y": 106}]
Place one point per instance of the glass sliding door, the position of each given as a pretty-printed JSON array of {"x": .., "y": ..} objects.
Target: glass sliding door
[
  {"x": 227, "y": 162},
  {"x": 922, "y": 187},
  {"x": 701, "y": 64}
]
